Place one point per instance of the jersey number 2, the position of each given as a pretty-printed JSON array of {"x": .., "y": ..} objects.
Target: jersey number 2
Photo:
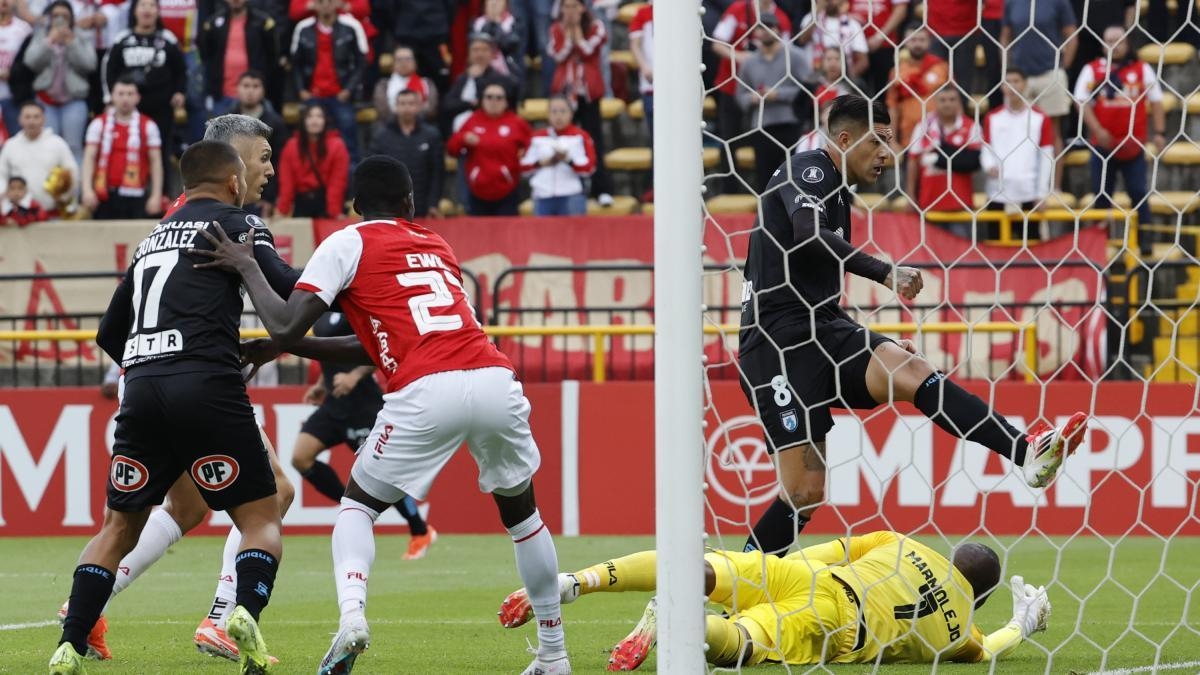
[
  {"x": 165, "y": 262},
  {"x": 439, "y": 296}
]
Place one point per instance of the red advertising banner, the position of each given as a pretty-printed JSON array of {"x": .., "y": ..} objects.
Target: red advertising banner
[
  {"x": 1137, "y": 472},
  {"x": 1055, "y": 284}
]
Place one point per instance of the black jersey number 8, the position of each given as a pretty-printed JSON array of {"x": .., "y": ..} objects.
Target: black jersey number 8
[{"x": 148, "y": 313}]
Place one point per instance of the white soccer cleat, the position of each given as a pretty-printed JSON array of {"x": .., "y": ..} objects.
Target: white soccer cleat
[
  {"x": 1048, "y": 447},
  {"x": 552, "y": 663},
  {"x": 635, "y": 648},
  {"x": 516, "y": 610},
  {"x": 352, "y": 639}
]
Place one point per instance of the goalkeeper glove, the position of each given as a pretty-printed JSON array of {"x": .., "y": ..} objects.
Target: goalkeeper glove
[{"x": 1031, "y": 607}]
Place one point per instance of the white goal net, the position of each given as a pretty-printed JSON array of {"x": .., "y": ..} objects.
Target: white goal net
[{"x": 1042, "y": 177}]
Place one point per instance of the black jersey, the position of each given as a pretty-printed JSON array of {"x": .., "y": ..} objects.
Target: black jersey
[
  {"x": 367, "y": 393},
  {"x": 799, "y": 252},
  {"x": 178, "y": 319}
]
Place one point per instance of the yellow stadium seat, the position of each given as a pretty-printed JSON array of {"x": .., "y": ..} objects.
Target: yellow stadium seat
[
  {"x": 627, "y": 12},
  {"x": 623, "y": 56},
  {"x": 366, "y": 115},
  {"x": 872, "y": 201},
  {"x": 622, "y": 205},
  {"x": 744, "y": 157},
  {"x": 611, "y": 107},
  {"x": 1174, "y": 202},
  {"x": 636, "y": 110},
  {"x": 1193, "y": 104},
  {"x": 648, "y": 209},
  {"x": 629, "y": 159},
  {"x": 291, "y": 113},
  {"x": 449, "y": 207},
  {"x": 980, "y": 56},
  {"x": 900, "y": 203},
  {"x": 1182, "y": 152},
  {"x": 526, "y": 208},
  {"x": 979, "y": 200},
  {"x": 534, "y": 109},
  {"x": 1061, "y": 200},
  {"x": 1120, "y": 200},
  {"x": 712, "y": 157},
  {"x": 533, "y": 63},
  {"x": 1172, "y": 53},
  {"x": 180, "y": 116},
  {"x": 451, "y": 164},
  {"x": 732, "y": 204},
  {"x": 385, "y": 63},
  {"x": 978, "y": 102},
  {"x": 1077, "y": 158},
  {"x": 1170, "y": 102},
  {"x": 710, "y": 106}
]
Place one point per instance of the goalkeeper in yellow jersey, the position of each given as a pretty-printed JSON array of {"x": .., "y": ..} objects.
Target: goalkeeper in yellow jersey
[{"x": 880, "y": 597}]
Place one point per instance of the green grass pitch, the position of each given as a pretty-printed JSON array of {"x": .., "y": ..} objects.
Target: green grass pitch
[{"x": 438, "y": 615}]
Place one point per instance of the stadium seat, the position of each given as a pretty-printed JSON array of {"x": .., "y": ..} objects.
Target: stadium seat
[
  {"x": 451, "y": 164},
  {"x": 1076, "y": 158},
  {"x": 1181, "y": 152},
  {"x": 712, "y": 157},
  {"x": 1061, "y": 200},
  {"x": 648, "y": 209},
  {"x": 611, "y": 108},
  {"x": 710, "y": 106},
  {"x": 449, "y": 207},
  {"x": 628, "y": 11},
  {"x": 900, "y": 202},
  {"x": 1121, "y": 200},
  {"x": 181, "y": 117},
  {"x": 1172, "y": 54},
  {"x": 385, "y": 63},
  {"x": 629, "y": 159},
  {"x": 623, "y": 205},
  {"x": 979, "y": 200},
  {"x": 534, "y": 109},
  {"x": 636, "y": 110},
  {"x": 526, "y": 208},
  {"x": 732, "y": 204},
  {"x": 623, "y": 56},
  {"x": 1179, "y": 166},
  {"x": 744, "y": 157},
  {"x": 1172, "y": 203},
  {"x": 291, "y": 114}
]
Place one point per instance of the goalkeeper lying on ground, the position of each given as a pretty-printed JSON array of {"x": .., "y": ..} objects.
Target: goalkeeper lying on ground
[{"x": 878, "y": 596}]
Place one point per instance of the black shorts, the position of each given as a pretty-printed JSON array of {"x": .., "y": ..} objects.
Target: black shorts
[
  {"x": 200, "y": 423},
  {"x": 342, "y": 424},
  {"x": 794, "y": 387}
]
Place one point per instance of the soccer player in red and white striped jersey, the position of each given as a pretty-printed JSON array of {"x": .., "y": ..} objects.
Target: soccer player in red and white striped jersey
[{"x": 399, "y": 285}]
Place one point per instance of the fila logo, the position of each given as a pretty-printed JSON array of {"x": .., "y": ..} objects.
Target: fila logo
[
  {"x": 123, "y": 569},
  {"x": 215, "y": 472},
  {"x": 550, "y": 623},
  {"x": 357, "y": 575},
  {"x": 127, "y": 475},
  {"x": 383, "y": 439}
]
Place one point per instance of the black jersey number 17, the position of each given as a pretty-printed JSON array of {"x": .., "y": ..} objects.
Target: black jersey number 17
[{"x": 147, "y": 297}]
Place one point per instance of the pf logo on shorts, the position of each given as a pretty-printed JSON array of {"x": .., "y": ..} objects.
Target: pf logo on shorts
[
  {"x": 215, "y": 472},
  {"x": 127, "y": 475}
]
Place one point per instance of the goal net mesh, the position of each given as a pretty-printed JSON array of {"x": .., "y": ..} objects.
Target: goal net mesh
[{"x": 1038, "y": 297}]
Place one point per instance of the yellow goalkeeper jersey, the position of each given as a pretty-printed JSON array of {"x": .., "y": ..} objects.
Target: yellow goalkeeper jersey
[{"x": 913, "y": 604}]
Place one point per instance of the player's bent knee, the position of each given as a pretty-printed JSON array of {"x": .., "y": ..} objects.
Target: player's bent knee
[
  {"x": 285, "y": 494},
  {"x": 348, "y": 503},
  {"x": 516, "y": 504},
  {"x": 806, "y": 498},
  {"x": 187, "y": 512}
]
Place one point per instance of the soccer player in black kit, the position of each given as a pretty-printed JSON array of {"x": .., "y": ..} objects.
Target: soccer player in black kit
[
  {"x": 801, "y": 354},
  {"x": 185, "y": 407},
  {"x": 348, "y": 399}
]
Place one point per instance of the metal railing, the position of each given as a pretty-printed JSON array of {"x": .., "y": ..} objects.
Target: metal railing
[{"x": 599, "y": 335}]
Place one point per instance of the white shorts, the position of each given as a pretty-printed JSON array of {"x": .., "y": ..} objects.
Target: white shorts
[{"x": 421, "y": 426}]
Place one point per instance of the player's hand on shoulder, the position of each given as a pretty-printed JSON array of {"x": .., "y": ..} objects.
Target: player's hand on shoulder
[
  {"x": 906, "y": 281},
  {"x": 226, "y": 254},
  {"x": 256, "y": 353}
]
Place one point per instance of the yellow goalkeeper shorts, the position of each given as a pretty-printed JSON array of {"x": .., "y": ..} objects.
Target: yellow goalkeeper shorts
[{"x": 793, "y": 613}]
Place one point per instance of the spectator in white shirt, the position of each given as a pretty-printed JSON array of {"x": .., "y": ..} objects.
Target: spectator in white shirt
[
  {"x": 1018, "y": 151},
  {"x": 832, "y": 28},
  {"x": 34, "y": 153},
  {"x": 558, "y": 158}
]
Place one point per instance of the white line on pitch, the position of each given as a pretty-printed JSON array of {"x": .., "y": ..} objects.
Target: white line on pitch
[
  {"x": 22, "y": 626},
  {"x": 1149, "y": 669}
]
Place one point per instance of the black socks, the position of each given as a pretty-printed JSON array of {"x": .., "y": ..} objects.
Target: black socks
[
  {"x": 256, "y": 571},
  {"x": 322, "y": 476},
  {"x": 416, "y": 524},
  {"x": 965, "y": 415},
  {"x": 90, "y": 591},
  {"x": 776, "y": 529}
]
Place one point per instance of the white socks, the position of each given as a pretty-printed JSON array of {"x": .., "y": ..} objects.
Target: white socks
[
  {"x": 353, "y": 554},
  {"x": 226, "y": 596},
  {"x": 160, "y": 533},
  {"x": 537, "y": 563}
]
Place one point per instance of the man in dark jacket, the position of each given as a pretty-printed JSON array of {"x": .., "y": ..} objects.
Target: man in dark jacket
[
  {"x": 329, "y": 60},
  {"x": 226, "y": 57},
  {"x": 463, "y": 97},
  {"x": 418, "y": 145},
  {"x": 424, "y": 26},
  {"x": 250, "y": 101}
]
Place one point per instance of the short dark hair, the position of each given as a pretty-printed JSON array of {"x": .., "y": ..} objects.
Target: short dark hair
[
  {"x": 208, "y": 162},
  {"x": 33, "y": 103},
  {"x": 128, "y": 79},
  {"x": 408, "y": 92},
  {"x": 252, "y": 74},
  {"x": 382, "y": 187},
  {"x": 981, "y": 567},
  {"x": 16, "y": 179},
  {"x": 1013, "y": 70},
  {"x": 857, "y": 111}
]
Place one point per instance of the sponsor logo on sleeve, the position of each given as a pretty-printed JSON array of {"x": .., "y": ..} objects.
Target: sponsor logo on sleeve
[
  {"x": 255, "y": 222},
  {"x": 812, "y": 174}
]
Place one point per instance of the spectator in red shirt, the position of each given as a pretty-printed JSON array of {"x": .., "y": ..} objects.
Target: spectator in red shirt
[
  {"x": 122, "y": 159},
  {"x": 951, "y": 22},
  {"x": 945, "y": 153},
  {"x": 18, "y": 207},
  {"x": 575, "y": 41},
  {"x": 236, "y": 40},
  {"x": 329, "y": 61},
  {"x": 914, "y": 80},
  {"x": 492, "y": 140},
  {"x": 314, "y": 168}
]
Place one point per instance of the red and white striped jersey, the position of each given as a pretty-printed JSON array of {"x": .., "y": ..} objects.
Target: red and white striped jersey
[{"x": 400, "y": 286}]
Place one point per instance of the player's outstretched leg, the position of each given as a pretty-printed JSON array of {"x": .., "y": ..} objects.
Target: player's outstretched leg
[
  {"x": 537, "y": 564},
  {"x": 895, "y": 373},
  {"x": 353, "y": 555},
  {"x": 633, "y": 650},
  {"x": 92, "y": 585},
  {"x": 634, "y": 572},
  {"x": 256, "y": 567}
]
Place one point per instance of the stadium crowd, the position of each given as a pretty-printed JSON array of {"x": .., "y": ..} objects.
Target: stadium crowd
[{"x": 99, "y": 97}]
